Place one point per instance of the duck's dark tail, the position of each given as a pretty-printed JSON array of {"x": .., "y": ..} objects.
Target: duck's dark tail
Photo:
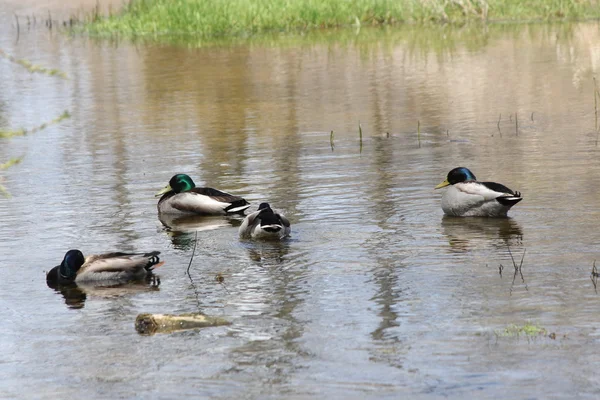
[
  {"x": 237, "y": 207},
  {"x": 509, "y": 201},
  {"x": 153, "y": 260}
]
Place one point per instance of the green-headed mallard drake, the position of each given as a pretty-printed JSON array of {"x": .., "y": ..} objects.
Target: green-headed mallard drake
[
  {"x": 265, "y": 224},
  {"x": 111, "y": 267},
  {"x": 466, "y": 197},
  {"x": 182, "y": 196}
]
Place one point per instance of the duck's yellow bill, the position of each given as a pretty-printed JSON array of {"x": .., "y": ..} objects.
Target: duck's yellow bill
[
  {"x": 163, "y": 191},
  {"x": 443, "y": 184}
]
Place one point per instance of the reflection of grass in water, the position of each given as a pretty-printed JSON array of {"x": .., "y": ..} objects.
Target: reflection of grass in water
[
  {"x": 528, "y": 330},
  {"x": 218, "y": 18},
  {"x": 5, "y": 133},
  {"x": 7, "y": 164},
  {"x": 33, "y": 68},
  {"x": 441, "y": 39}
]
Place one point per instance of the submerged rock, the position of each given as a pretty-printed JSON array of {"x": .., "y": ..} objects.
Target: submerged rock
[{"x": 149, "y": 324}]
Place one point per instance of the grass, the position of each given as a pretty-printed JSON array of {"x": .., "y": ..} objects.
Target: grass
[
  {"x": 33, "y": 68},
  {"x": 225, "y": 18},
  {"x": 4, "y": 133},
  {"x": 7, "y": 133},
  {"x": 5, "y": 165},
  {"x": 528, "y": 329}
]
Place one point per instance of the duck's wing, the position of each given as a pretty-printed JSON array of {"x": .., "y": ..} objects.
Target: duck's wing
[
  {"x": 494, "y": 191},
  {"x": 248, "y": 223},
  {"x": 286, "y": 224},
  {"x": 497, "y": 187},
  {"x": 209, "y": 201},
  {"x": 284, "y": 221},
  {"x": 507, "y": 196},
  {"x": 482, "y": 189},
  {"x": 120, "y": 262}
]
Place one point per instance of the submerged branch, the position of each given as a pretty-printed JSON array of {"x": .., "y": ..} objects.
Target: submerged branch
[
  {"x": 5, "y": 133},
  {"x": 33, "y": 68}
]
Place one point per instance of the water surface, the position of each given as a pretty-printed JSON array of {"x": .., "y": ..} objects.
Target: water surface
[{"x": 376, "y": 294}]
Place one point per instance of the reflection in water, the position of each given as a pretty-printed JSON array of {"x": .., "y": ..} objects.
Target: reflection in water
[
  {"x": 76, "y": 294},
  {"x": 467, "y": 234},
  {"x": 268, "y": 253},
  {"x": 272, "y": 352},
  {"x": 182, "y": 229},
  {"x": 516, "y": 263}
]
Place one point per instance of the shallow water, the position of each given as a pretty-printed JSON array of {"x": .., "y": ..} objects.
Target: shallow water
[{"x": 376, "y": 294}]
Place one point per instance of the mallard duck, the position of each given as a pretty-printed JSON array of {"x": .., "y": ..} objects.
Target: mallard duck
[
  {"x": 111, "y": 267},
  {"x": 264, "y": 224},
  {"x": 182, "y": 196},
  {"x": 466, "y": 197}
]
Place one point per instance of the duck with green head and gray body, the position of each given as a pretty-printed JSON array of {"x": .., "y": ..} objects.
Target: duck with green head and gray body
[
  {"x": 181, "y": 196},
  {"x": 111, "y": 267},
  {"x": 265, "y": 224},
  {"x": 467, "y": 197}
]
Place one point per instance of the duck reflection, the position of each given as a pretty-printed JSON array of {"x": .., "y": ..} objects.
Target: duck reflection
[
  {"x": 75, "y": 294},
  {"x": 465, "y": 234},
  {"x": 182, "y": 229},
  {"x": 268, "y": 253}
]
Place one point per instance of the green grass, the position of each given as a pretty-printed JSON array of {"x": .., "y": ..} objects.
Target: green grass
[
  {"x": 8, "y": 133},
  {"x": 220, "y": 18},
  {"x": 528, "y": 329},
  {"x": 33, "y": 68},
  {"x": 5, "y": 165}
]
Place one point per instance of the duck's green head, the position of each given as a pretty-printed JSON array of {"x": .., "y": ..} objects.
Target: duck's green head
[
  {"x": 70, "y": 264},
  {"x": 178, "y": 183},
  {"x": 457, "y": 175}
]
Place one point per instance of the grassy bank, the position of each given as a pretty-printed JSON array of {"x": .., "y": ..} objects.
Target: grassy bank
[{"x": 218, "y": 18}]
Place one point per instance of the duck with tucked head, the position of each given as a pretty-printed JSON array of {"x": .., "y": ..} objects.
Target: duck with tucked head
[
  {"x": 109, "y": 268},
  {"x": 265, "y": 224},
  {"x": 181, "y": 196},
  {"x": 467, "y": 197}
]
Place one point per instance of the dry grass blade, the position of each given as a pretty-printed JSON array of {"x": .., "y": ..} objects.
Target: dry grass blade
[
  {"x": 596, "y": 95},
  {"x": 498, "y": 124},
  {"x": 331, "y": 140},
  {"x": 594, "y": 277},
  {"x": 360, "y": 136}
]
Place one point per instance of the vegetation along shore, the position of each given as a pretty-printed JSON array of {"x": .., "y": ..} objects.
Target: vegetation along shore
[{"x": 219, "y": 18}]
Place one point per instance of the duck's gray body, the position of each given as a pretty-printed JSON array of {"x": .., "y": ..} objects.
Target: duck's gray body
[{"x": 111, "y": 267}]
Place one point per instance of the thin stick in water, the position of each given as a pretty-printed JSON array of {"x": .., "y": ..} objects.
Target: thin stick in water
[
  {"x": 596, "y": 107},
  {"x": 498, "y": 124},
  {"x": 193, "y": 252},
  {"x": 360, "y": 136},
  {"x": 18, "y": 28},
  {"x": 516, "y": 124},
  {"x": 331, "y": 140},
  {"x": 419, "y": 132}
]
